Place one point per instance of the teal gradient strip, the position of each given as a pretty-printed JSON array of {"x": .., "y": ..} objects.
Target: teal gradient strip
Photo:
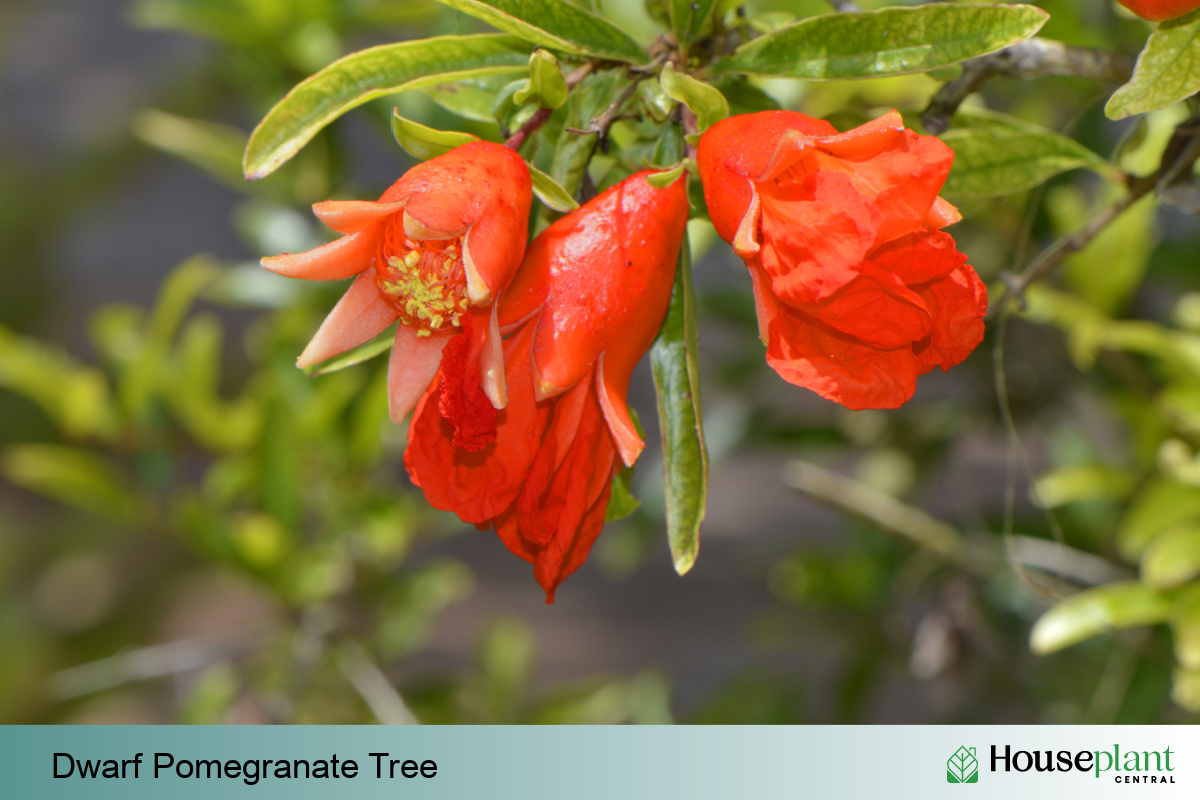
[{"x": 602, "y": 762}]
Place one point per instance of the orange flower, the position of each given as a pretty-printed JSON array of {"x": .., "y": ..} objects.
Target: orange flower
[
  {"x": 1160, "y": 10},
  {"x": 584, "y": 307},
  {"x": 857, "y": 290},
  {"x": 435, "y": 252}
]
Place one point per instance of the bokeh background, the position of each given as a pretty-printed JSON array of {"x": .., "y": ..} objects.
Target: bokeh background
[{"x": 191, "y": 530}]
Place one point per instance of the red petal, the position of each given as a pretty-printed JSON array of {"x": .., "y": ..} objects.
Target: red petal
[
  {"x": 359, "y": 316},
  {"x": 876, "y": 309},
  {"x": 838, "y": 367},
  {"x": 338, "y": 259},
  {"x": 478, "y": 486},
  {"x": 412, "y": 367},
  {"x": 462, "y": 401},
  {"x": 815, "y": 235},
  {"x": 352, "y": 216},
  {"x": 865, "y": 141},
  {"x": 958, "y": 304},
  {"x": 920, "y": 257}
]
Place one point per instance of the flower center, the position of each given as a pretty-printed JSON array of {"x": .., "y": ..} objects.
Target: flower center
[{"x": 424, "y": 280}]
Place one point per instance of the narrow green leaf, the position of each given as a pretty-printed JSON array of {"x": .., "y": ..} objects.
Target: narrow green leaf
[
  {"x": 73, "y": 476},
  {"x": 1083, "y": 482},
  {"x": 661, "y": 180},
  {"x": 550, "y": 192},
  {"x": 995, "y": 155},
  {"x": 547, "y": 87},
  {"x": 1174, "y": 557},
  {"x": 1161, "y": 505},
  {"x": 688, "y": 17},
  {"x": 1094, "y": 611},
  {"x": 216, "y": 149},
  {"x": 1167, "y": 70},
  {"x": 556, "y": 25},
  {"x": 1185, "y": 626},
  {"x": 364, "y": 352},
  {"x": 675, "y": 363},
  {"x": 367, "y": 74},
  {"x": 471, "y": 98},
  {"x": 421, "y": 141},
  {"x": 891, "y": 41},
  {"x": 705, "y": 101}
]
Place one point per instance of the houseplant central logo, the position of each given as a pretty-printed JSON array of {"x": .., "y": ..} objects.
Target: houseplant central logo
[{"x": 963, "y": 766}]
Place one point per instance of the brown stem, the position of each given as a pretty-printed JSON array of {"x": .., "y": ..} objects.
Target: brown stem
[
  {"x": 1181, "y": 153},
  {"x": 1033, "y": 58},
  {"x": 535, "y": 122},
  {"x": 690, "y": 128},
  {"x": 600, "y": 124}
]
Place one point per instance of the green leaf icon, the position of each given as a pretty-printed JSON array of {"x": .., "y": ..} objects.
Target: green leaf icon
[{"x": 962, "y": 767}]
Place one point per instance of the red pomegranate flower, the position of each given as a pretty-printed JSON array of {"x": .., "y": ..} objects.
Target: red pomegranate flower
[
  {"x": 435, "y": 252},
  {"x": 1160, "y": 10},
  {"x": 857, "y": 290},
  {"x": 586, "y": 304}
]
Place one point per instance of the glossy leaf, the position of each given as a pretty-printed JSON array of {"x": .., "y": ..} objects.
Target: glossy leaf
[
  {"x": 421, "y": 141},
  {"x": 364, "y": 352},
  {"x": 688, "y": 17},
  {"x": 891, "y": 41},
  {"x": 995, "y": 155},
  {"x": 550, "y": 192},
  {"x": 1173, "y": 558},
  {"x": 674, "y": 362},
  {"x": 705, "y": 101},
  {"x": 1094, "y": 611},
  {"x": 471, "y": 98},
  {"x": 546, "y": 86},
  {"x": 556, "y": 25},
  {"x": 367, "y": 74},
  {"x": 1167, "y": 71}
]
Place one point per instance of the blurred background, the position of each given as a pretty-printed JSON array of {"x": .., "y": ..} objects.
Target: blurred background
[{"x": 191, "y": 530}]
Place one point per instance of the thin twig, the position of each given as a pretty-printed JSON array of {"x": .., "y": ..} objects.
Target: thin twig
[
  {"x": 1032, "y": 58},
  {"x": 539, "y": 118},
  {"x": 599, "y": 125}
]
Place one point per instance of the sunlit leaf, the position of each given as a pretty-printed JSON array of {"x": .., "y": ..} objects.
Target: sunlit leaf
[
  {"x": 1084, "y": 482},
  {"x": 556, "y": 25},
  {"x": 1167, "y": 71},
  {"x": 688, "y": 17},
  {"x": 371, "y": 73},
  {"x": 216, "y": 149},
  {"x": 471, "y": 98},
  {"x": 995, "y": 154},
  {"x": 891, "y": 41},
  {"x": 705, "y": 100},
  {"x": 421, "y": 141},
  {"x": 547, "y": 87},
  {"x": 549, "y": 192},
  {"x": 1094, "y": 611},
  {"x": 674, "y": 361},
  {"x": 1173, "y": 558}
]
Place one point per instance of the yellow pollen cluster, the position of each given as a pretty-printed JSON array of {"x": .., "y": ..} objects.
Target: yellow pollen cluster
[{"x": 427, "y": 284}]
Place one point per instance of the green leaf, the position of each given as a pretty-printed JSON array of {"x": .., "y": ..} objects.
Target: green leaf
[
  {"x": 621, "y": 503},
  {"x": 688, "y": 17},
  {"x": 1161, "y": 505},
  {"x": 1173, "y": 558},
  {"x": 962, "y": 767},
  {"x": 891, "y": 41},
  {"x": 995, "y": 155},
  {"x": 421, "y": 141},
  {"x": 661, "y": 180},
  {"x": 546, "y": 86},
  {"x": 705, "y": 101},
  {"x": 1094, "y": 611},
  {"x": 556, "y": 25},
  {"x": 1185, "y": 625},
  {"x": 367, "y": 74},
  {"x": 216, "y": 149},
  {"x": 1167, "y": 71},
  {"x": 549, "y": 192},
  {"x": 364, "y": 352},
  {"x": 675, "y": 363},
  {"x": 1108, "y": 271},
  {"x": 73, "y": 476},
  {"x": 471, "y": 98},
  {"x": 1083, "y": 482}
]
